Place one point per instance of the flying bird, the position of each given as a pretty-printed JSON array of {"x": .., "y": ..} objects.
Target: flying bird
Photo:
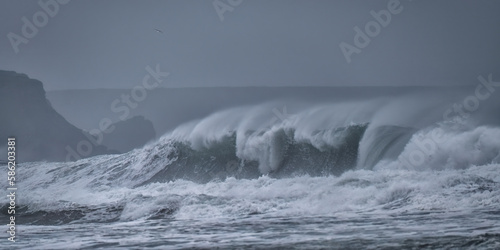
[{"x": 159, "y": 31}]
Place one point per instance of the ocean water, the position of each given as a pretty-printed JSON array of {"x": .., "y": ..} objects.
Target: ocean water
[
  {"x": 326, "y": 177},
  {"x": 360, "y": 209}
]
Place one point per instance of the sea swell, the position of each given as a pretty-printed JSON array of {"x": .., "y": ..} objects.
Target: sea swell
[
  {"x": 238, "y": 162},
  {"x": 357, "y": 192}
]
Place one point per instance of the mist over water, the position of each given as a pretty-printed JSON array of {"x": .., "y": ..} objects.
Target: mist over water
[{"x": 372, "y": 169}]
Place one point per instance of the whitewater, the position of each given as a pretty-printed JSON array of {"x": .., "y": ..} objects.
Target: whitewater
[{"x": 353, "y": 174}]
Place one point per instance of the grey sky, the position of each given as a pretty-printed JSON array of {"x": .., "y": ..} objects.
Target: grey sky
[{"x": 108, "y": 44}]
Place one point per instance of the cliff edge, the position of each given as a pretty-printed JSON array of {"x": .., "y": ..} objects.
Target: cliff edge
[{"x": 41, "y": 133}]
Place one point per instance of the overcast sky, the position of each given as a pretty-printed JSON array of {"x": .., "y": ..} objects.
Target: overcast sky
[{"x": 108, "y": 44}]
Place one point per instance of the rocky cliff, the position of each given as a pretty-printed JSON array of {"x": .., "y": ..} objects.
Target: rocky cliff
[
  {"x": 41, "y": 133},
  {"x": 129, "y": 134}
]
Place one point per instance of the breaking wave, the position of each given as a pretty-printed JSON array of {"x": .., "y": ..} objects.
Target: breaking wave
[{"x": 332, "y": 158}]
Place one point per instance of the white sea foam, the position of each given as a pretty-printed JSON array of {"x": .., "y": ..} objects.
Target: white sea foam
[{"x": 460, "y": 171}]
